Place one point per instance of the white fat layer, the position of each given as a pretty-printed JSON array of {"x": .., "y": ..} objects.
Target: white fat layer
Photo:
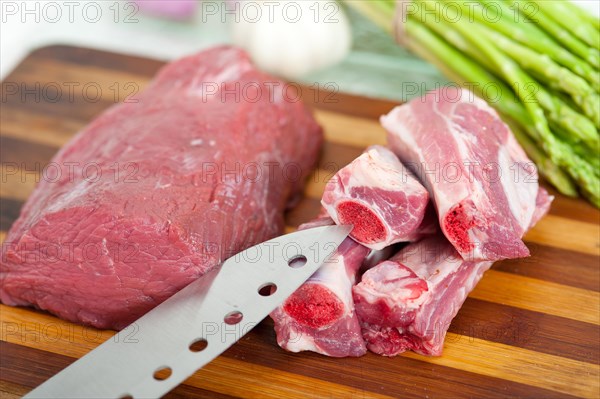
[
  {"x": 331, "y": 211},
  {"x": 521, "y": 195},
  {"x": 333, "y": 275},
  {"x": 76, "y": 192},
  {"x": 467, "y": 96},
  {"x": 403, "y": 142},
  {"x": 378, "y": 167},
  {"x": 297, "y": 341},
  {"x": 434, "y": 260},
  {"x": 230, "y": 73},
  {"x": 374, "y": 288},
  {"x": 460, "y": 138},
  {"x": 434, "y": 267},
  {"x": 392, "y": 122},
  {"x": 215, "y": 82}
]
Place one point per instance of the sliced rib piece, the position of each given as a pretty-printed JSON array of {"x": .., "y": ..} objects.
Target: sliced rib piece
[
  {"x": 483, "y": 185},
  {"x": 408, "y": 302},
  {"x": 320, "y": 316},
  {"x": 379, "y": 196},
  {"x": 188, "y": 175}
]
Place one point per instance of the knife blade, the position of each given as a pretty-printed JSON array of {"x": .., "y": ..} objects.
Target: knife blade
[{"x": 184, "y": 333}]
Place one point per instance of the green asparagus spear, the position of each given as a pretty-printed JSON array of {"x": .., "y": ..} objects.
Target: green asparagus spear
[
  {"x": 540, "y": 64},
  {"x": 570, "y": 7},
  {"x": 527, "y": 33},
  {"x": 580, "y": 128},
  {"x": 377, "y": 15},
  {"x": 557, "y": 76},
  {"x": 562, "y": 14},
  {"x": 558, "y": 154},
  {"x": 466, "y": 72},
  {"x": 551, "y": 27},
  {"x": 546, "y": 168},
  {"x": 452, "y": 28},
  {"x": 593, "y": 20},
  {"x": 528, "y": 91},
  {"x": 591, "y": 155}
]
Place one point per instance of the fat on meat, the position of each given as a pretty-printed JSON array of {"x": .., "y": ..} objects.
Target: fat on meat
[
  {"x": 382, "y": 199},
  {"x": 409, "y": 301},
  {"x": 482, "y": 184}
]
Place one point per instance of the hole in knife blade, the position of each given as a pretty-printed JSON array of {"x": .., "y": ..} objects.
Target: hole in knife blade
[
  {"x": 233, "y": 317},
  {"x": 297, "y": 261},
  {"x": 163, "y": 373},
  {"x": 198, "y": 345},
  {"x": 267, "y": 289},
  {"x": 126, "y": 397}
]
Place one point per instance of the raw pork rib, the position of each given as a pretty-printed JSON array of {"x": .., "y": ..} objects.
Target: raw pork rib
[
  {"x": 320, "y": 316},
  {"x": 379, "y": 196},
  {"x": 200, "y": 179},
  {"x": 408, "y": 302},
  {"x": 483, "y": 185}
]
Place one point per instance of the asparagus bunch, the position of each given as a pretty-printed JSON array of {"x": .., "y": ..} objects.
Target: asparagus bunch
[{"x": 543, "y": 56}]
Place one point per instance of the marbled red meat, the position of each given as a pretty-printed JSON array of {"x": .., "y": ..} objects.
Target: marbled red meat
[
  {"x": 483, "y": 185},
  {"x": 408, "y": 301},
  {"x": 382, "y": 199},
  {"x": 202, "y": 176}
]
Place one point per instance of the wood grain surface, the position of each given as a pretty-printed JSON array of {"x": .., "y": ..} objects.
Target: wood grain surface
[{"x": 530, "y": 329}]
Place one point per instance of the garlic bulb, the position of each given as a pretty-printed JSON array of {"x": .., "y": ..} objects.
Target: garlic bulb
[{"x": 292, "y": 38}]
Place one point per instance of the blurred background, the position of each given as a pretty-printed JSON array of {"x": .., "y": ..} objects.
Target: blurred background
[{"x": 169, "y": 29}]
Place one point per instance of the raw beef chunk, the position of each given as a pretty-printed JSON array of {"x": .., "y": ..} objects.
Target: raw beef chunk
[{"x": 186, "y": 176}]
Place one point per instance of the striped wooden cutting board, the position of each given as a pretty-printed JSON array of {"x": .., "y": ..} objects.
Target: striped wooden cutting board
[{"x": 530, "y": 328}]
